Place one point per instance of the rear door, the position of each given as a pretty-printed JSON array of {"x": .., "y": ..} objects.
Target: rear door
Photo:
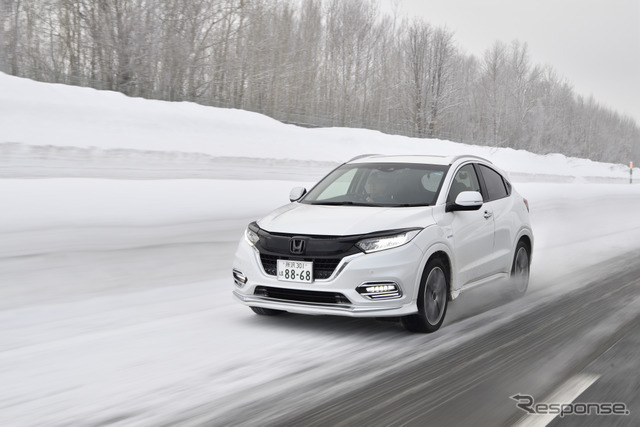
[{"x": 500, "y": 204}]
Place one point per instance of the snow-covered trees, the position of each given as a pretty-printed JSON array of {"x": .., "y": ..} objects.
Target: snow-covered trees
[{"x": 315, "y": 62}]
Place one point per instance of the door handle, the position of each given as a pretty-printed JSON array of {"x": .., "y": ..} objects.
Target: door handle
[{"x": 487, "y": 214}]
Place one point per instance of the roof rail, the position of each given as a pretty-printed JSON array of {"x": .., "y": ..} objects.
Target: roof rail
[
  {"x": 469, "y": 156},
  {"x": 453, "y": 158},
  {"x": 361, "y": 156}
]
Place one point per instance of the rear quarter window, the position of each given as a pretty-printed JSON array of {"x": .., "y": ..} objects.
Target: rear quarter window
[{"x": 496, "y": 187}]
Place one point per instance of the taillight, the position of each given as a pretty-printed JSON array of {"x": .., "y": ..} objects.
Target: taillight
[{"x": 526, "y": 203}]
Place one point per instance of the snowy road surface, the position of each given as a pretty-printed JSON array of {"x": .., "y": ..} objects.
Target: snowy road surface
[{"x": 116, "y": 303}]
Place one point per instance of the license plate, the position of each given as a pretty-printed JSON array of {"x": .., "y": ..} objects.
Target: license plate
[{"x": 295, "y": 271}]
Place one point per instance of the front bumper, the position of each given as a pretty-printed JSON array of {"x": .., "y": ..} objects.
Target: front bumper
[
  {"x": 400, "y": 266},
  {"x": 321, "y": 308}
]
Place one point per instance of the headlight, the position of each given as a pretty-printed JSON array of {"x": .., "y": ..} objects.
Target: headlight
[
  {"x": 251, "y": 235},
  {"x": 386, "y": 242}
]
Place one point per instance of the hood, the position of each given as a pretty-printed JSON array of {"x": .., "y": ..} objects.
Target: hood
[{"x": 303, "y": 219}]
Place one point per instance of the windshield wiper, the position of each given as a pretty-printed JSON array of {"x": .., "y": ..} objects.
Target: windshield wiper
[
  {"x": 371, "y": 205},
  {"x": 344, "y": 203},
  {"x": 406, "y": 205}
]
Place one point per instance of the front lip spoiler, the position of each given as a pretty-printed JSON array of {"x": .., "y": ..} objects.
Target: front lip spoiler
[{"x": 283, "y": 304}]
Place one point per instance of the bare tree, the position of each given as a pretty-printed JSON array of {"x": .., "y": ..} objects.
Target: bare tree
[
  {"x": 494, "y": 88},
  {"x": 324, "y": 62}
]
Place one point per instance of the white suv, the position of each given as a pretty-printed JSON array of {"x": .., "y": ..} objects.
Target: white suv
[{"x": 388, "y": 236}]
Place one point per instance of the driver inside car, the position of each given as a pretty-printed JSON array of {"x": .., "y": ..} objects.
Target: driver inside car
[{"x": 378, "y": 189}]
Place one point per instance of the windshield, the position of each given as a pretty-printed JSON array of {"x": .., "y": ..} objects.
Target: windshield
[{"x": 379, "y": 184}]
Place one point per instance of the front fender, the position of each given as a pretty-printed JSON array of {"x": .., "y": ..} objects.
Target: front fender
[{"x": 435, "y": 240}]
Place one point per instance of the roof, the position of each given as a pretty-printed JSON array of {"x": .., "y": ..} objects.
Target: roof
[{"x": 422, "y": 159}]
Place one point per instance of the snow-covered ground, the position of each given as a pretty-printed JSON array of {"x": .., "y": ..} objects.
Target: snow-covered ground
[
  {"x": 38, "y": 114},
  {"x": 115, "y": 286}
]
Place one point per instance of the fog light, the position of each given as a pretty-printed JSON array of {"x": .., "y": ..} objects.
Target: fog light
[
  {"x": 238, "y": 278},
  {"x": 379, "y": 290}
]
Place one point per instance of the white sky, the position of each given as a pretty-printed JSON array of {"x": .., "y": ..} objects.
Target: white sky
[{"x": 594, "y": 44}]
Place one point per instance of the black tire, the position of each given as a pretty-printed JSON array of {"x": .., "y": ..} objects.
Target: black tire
[
  {"x": 520, "y": 270},
  {"x": 266, "y": 311},
  {"x": 432, "y": 299}
]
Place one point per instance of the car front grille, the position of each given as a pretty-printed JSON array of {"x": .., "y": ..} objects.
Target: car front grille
[
  {"x": 312, "y": 297},
  {"x": 323, "y": 268}
]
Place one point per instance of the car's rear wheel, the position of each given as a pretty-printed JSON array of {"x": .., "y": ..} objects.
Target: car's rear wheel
[
  {"x": 266, "y": 311},
  {"x": 520, "y": 271},
  {"x": 432, "y": 300}
]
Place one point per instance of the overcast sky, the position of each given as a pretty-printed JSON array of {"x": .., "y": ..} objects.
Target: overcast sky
[{"x": 594, "y": 44}]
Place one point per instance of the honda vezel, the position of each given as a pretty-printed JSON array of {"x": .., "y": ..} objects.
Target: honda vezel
[{"x": 388, "y": 236}]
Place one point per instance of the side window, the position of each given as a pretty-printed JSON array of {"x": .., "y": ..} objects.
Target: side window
[
  {"x": 465, "y": 179},
  {"x": 509, "y": 187},
  {"x": 495, "y": 184}
]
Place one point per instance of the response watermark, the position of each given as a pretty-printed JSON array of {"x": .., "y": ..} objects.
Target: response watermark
[{"x": 528, "y": 404}]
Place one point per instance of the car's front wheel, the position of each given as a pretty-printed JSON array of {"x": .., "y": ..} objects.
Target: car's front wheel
[{"x": 432, "y": 300}]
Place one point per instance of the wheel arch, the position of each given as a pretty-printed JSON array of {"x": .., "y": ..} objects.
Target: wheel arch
[
  {"x": 525, "y": 237},
  {"x": 442, "y": 255}
]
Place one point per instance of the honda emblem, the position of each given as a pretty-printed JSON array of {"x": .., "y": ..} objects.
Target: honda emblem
[{"x": 296, "y": 246}]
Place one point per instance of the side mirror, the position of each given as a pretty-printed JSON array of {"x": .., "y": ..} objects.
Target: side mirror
[
  {"x": 466, "y": 201},
  {"x": 296, "y": 193}
]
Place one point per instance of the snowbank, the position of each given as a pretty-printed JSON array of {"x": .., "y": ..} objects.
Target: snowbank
[{"x": 43, "y": 114}]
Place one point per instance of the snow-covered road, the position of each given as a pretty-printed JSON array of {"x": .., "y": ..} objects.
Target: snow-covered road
[{"x": 116, "y": 300}]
